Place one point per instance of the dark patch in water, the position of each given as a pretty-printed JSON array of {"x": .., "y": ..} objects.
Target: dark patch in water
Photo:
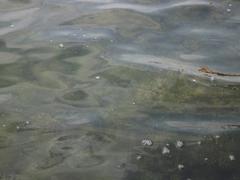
[
  {"x": 20, "y": 1},
  {"x": 208, "y": 161},
  {"x": 2, "y": 44},
  {"x": 73, "y": 52},
  {"x": 67, "y": 148},
  {"x": 76, "y": 95},
  {"x": 5, "y": 83},
  {"x": 51, "y": 161},
  {"x": 68, "y": 137},
  {"x": 36, "y": 51}
]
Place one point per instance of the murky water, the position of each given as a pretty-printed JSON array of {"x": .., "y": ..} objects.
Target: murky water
[{"x": 110, "y": 89}]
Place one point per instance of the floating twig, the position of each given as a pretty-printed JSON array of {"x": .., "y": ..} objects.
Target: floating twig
[{"x": 205, "y": 69}]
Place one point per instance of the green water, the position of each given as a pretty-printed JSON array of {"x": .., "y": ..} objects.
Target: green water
[{"x": 84, "y": 82}]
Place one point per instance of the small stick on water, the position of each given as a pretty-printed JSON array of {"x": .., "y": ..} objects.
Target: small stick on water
[{"x": 205, "y": 69}]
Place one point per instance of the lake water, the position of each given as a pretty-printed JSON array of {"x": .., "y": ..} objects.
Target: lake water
[{"x": 110, "y": 89}]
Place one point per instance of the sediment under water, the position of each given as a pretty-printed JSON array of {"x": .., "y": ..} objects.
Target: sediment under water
[{"x": 108, "y": 89}]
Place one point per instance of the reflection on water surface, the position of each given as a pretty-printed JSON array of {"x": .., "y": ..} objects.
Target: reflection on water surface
[{"x": 84, "y": 82}]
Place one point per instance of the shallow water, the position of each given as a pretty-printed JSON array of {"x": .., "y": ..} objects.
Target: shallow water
[{"x": 83, "y": 82}]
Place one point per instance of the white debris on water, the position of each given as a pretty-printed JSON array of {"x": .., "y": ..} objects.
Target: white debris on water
[
  {"x": 4, "y": 125},
  {"x": 165, "y": 150},
  {"x": 139, "y": 157},
  {"x": 229, "y": 10},
  {"x": 97, "y": 77},
  {"x": 230, "y": 5},
  {"x": 17, "y": 127},
  {"x": 217, "y": 136},
  {"x": 61, "y": 45},
  {"x": 231, "y": 157},
  {"x": 12, "y": 26},
  {"x": 133, "y": 103},
  {"x": 205, "y": 159},
  {"x": 180, "y": 166},
  {"x": 199, "y": 142},
  {"x": 27, "y": 122},
  {"x": 194, "y": 80},
  {"x": 212, "y": 78},
  {"x": 179, "y": 144},
  {"x": 147, "y": 142}
]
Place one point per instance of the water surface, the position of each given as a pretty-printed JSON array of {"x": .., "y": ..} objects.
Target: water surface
[{"x": 84, "y": 82}]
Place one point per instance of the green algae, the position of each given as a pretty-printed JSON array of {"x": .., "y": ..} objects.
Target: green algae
[
  {"x": 52, "y": 148},
  {"x": 31, "y": 69},
  {"x": 173, "y": 91},
  {"x": 181, "y": 89}
]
